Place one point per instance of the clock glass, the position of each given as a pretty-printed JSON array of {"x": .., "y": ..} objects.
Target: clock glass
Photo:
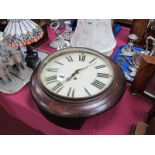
[{"x": 76, "y": 73}]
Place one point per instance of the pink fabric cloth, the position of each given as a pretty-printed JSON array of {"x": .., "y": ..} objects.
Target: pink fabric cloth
[{"x": 118, "y": 120}]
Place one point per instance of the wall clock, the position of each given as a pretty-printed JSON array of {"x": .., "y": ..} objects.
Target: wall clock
[{"x": 77, "y": 82}]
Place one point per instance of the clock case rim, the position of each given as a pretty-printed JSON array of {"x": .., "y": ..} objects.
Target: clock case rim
[
  {"x": 60, "y": 53},
  {"x": 83, "y": 109}
]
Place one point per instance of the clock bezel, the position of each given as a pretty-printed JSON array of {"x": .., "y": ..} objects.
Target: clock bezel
[
  {"x": 84, "y": 108},
  {"x": 73, "y": 50}
]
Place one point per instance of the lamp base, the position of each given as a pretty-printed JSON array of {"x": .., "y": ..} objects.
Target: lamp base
[
  {"x": 17, "y": 82},
  {"x": 32, "y": 58}
]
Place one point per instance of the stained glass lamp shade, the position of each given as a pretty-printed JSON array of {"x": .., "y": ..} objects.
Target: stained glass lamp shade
[{"x": 21, "y": 32}]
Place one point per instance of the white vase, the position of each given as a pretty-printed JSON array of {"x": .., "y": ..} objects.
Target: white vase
[{"x": 95, "y": 34}]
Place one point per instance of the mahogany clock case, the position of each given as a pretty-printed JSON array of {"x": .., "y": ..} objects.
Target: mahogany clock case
[{"x": 70, "y": 108}]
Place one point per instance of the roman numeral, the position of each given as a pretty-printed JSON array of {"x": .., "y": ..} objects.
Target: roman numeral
[
  {"x": 54, "y": 77},
  {"x": 57, "y": 86},
  {"x": 59, "y": 63},
  {"x": 92, "y": 60},
  {"x": 100, "y": 66},
  {"x": 51, "y": 81},
  {"x": 52, "y": 69},
  {"x": 103, "y": 75},
  {"x": 82, "y": 57},
  {"x": 71, "y": 92},
  {"x": 59, "y": 89},
  {"x": 98, "y": 84},
  {"x": 69, "y": 58},
  {"x": 87, "y": 91}
]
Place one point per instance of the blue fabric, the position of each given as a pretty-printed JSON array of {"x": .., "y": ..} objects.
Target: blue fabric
[
  {"x": 124, "y": 65},
  {"x": 117, "y": 28}
]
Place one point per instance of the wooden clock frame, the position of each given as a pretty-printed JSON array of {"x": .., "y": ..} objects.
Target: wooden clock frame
[
  {"x": 83, "y": 108},
  {"x": 79, "y": 108}
]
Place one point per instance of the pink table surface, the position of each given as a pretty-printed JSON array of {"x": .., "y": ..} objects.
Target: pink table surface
[{"x": 118, "y": 120}]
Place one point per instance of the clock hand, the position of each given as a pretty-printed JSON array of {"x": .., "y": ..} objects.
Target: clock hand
[
  {"x": 72, "y": 75},
  {"x": 86, "y": 67},
  {"x": 78, "y": 70},
  {"x": 90, "y": 65}
]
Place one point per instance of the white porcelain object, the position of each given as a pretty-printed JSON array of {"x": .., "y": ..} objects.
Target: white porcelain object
[{"x": 95, "y": 34}]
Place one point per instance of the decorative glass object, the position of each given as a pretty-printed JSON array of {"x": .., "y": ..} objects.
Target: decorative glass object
[
  {"x": 62, "y": 38},
  {"x": 95, "y": 34},
  {"x": 129, "y": 51},
  {"x": 21, "y": 32},
  {"x": 68, "y": 30}
]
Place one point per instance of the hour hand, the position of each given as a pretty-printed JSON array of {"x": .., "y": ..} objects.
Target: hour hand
[{"x": 76, "y": 72}]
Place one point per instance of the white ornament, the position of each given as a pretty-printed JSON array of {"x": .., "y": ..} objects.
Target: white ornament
[{"x": 95, "y": 34}]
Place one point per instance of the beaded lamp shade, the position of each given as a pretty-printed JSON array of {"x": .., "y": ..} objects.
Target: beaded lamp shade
[{"x": 21, "y": 32}]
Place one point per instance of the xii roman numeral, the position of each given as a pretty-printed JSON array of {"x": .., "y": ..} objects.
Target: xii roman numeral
[
  {"x": 82, "y": 57},
  {"x": 98, "y": 84}
]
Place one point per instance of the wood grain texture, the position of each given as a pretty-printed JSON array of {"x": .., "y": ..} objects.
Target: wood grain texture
[
  {"x": 143, "y": 77},
  {"x": 139, "y": 28}
]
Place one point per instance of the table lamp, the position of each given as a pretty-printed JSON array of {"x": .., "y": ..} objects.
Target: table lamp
[
  {"x": 23, "y": 32},
  {"x": 95, "y": 34}
]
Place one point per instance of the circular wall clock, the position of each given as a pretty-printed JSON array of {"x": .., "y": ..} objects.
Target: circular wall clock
[{"x": 77, "y": 82}]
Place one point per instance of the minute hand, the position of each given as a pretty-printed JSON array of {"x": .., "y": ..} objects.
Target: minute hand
[
  {"x": 87, "y": 66},
  {"x": 78, "y": 70}
]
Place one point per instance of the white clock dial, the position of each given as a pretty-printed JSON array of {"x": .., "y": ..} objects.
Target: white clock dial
[{"x": 77, "y": 74}]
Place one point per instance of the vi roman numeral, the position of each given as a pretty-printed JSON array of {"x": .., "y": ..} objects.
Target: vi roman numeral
[{"x": 98, "y": 84}]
